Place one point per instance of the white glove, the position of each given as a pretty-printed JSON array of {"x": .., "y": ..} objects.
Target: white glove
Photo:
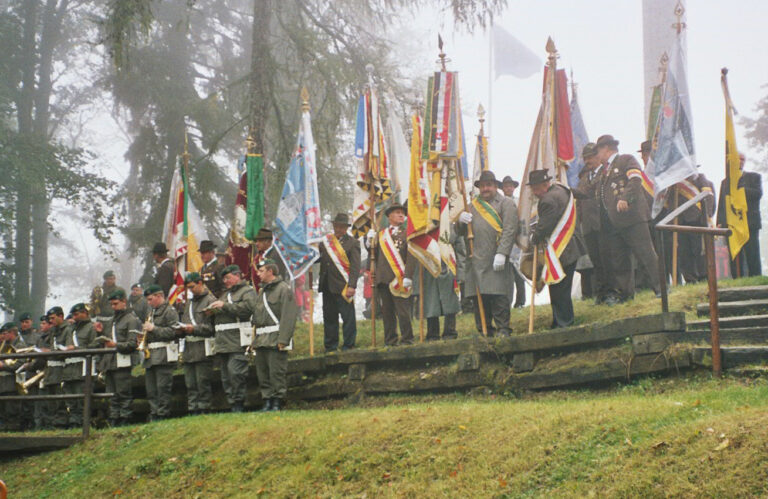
[
  {"x": 370, "y": 236},
  {"x": 498, "y": 262},
  {"x": 407, "y": 283},
  {"x": 465, "y": 217}
]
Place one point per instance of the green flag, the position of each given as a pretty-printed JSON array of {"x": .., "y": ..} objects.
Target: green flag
[{"x": 254, "y": 212}]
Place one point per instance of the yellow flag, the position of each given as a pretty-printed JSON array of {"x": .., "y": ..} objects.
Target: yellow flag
[
  {"x": 418, "y": 188},
  {"x": 735, "y": 198}
]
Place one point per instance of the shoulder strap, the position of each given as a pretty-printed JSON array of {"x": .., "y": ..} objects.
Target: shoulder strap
[{"x": 269, "y": 310}]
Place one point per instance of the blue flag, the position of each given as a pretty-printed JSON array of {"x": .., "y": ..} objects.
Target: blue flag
[
  {"x": 297, "y": 225},
  {"x": 674, "y": 158},
  {"x": 580, "y": 139}
]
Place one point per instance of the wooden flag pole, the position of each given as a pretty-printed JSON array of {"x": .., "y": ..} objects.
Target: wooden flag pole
[
  {"x": 531, "y": 312},
  {"x": 311, "y": 316},
  {"x": 674, "y": 244},
  {"x": 372, "y": 215},
  {"x": 421, "y": 304}
]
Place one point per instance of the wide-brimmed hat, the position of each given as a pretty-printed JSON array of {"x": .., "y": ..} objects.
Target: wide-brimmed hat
[
  {"x": 487, "y": 176},
  {"x": 207, "y": 246},
  {"x": 590, "y": 149},
  {"x": 645, "y": 146},
  {"x": 263, "y": 234},
  {"x": 159, "y": 248},
  {"x": 508, "y": 180},
  {"x": 538, "y": 177},
  {"x": 395, "y": 206},
  {"x": 606, "y": 140},
  {"x": 341, "y": 219}
]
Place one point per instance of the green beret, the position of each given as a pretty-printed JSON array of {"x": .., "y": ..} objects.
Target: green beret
[
  {"x": 77, "y": 307},
  {"x": 26, "y": 316},
  {"x": 192, "y": 277},
  {"x": 266, "y": 261},
  {"x": 43, "y": 318},
  {"x": 8, "y": 326},
  {"x": 152, "y": 289},
  {"x": 231, "y": 269},
  {"x": 109, "y": 273},
  {"x": 55, "y": 311},
  {"x": 117, "y": 294}
]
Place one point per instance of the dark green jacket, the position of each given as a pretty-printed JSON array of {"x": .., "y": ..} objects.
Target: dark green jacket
[
  {"x": 283, "y": 305},
  {"x": 122, "y": 330},
  {"x": 29, "y": 338},
  {"x": 8, "y": 373},
  {"x": 139, "y": 306},
  {"x": 81, "y": 335},
  {"x": 54, "y": 369},
  {"x": 163, "y": 335},
  {"x": 194, "y": 344},
  {"x": 239, "y": 302}
]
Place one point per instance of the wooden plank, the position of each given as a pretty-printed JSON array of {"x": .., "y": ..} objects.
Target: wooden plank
[
  {"x": 743, "y": 293},
  {"x": 732, "y": 356},
  {"x": 10, "y": 446},
  {"x": 733, "y": 322},
  {"x": 729, "y": 309}
]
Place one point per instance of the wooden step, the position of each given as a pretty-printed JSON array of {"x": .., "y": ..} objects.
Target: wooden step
[
  {"x": 743, "y": 293},
  {"x": 728, "y": 337},
  {"x": 738, "y": 321},
  {"x": 18, "y": 446},
  {"x": 729, "y": 309},
  {"x": 732, "y": 356}
]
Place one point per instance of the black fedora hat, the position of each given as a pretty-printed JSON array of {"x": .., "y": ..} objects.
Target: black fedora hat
[
  {"x": 538, "y": 177},
  {"x": 508, "y": 180},
  {"x": 395, "y": 206},
  {"x": 487, "y": 176},
  {"x": 159, "y": 248},
  {"x": 263, "y": 234},
  {"x": 645, "y": 146},
  {"x": 590, "y": 149},
  {"x": 606, "y": 140},
  {"x": 207, "y": 246},
  {"x": 341, "y": 219}
]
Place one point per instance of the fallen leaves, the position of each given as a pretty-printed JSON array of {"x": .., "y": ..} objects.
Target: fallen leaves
[
  {"x": 462, "y": 427},
  {"x": 723, "y": 445},
  {"x": 502, "y": 482}
]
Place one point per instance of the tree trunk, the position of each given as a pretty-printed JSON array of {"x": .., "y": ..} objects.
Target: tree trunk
[{"x": 261, "y": 68}]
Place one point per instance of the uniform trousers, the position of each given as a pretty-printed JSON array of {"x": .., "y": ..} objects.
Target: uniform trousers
[
  {"x": 449, "y": 327},
  {"x": 496, "y": 308},
  {"x": 75, "y": 406},
  {"x": 119, "y": 383},
  {"x": 197, "y": 378},
  {"x": 159, "y": 383},
  {"x": 560, "y": 299},
  {"x": 234, "y": 372},
  {"x": 56, "y": 410},
  {"x": 333, "y": 306},
  {"x": 394, "y": 311},
  {"x": 595, "y": 249},
  {"x": 633, "y": 240},
  {"x": 271, "y": 368}
]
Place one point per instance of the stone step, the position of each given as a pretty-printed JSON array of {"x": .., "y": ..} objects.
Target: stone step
[
  {"x": 728, "y": 337},
  {"x": 729, "y": 309},
  {"x": 738, "y": 321},
  {"x": 743, "y": 293},
  {"x": 732, "y": 356}
]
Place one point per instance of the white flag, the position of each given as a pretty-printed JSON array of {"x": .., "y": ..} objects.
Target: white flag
[{"x": 511, "y": 57}]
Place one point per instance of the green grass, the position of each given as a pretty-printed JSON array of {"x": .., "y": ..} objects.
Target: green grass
[
  {"x": 688, "y": 437},
  {"x": 681, "y": 298}
]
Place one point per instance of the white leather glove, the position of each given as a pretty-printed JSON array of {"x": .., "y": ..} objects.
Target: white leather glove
[
  {"x": 498, "y": 262},
  {"x": 370, "y": 236},
  {"x": 407, "y": 283},
  {"x": 465, "y": 217}
]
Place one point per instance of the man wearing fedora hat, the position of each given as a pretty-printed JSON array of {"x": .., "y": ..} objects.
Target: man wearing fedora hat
[
  {"x": 165, "y": 270},
  {"x": 624, "y": 215},
  {"x": 393, "y": 276},
  {"x": 494, "y": 223},
  {"x": 265, "y": 249},
  {"x": 211, "y": 268},
  {"x": 517, "y": 292},
  {"x": 553, "y": 203},
  {"x": 339, "y": 271}
]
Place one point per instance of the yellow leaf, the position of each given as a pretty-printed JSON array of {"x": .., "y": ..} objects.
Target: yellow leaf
[
  {"x": 628, "y": 441},
  {"x": 723, "y": 445},
  {"x": 697, "y": 403},
  {"x": 502, "y": 482},
  {"x": 437, "y": 440},
  {"x": 462, "y": 427},
  {"x": 117, "y": 492}
]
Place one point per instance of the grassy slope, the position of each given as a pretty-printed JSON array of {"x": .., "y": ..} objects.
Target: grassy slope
[
  {"x": 684, "y": 437},
  {"x": 681, "y": 298}
]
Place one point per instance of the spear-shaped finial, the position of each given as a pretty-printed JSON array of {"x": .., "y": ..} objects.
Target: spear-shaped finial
[
  {"x": 679, "y": 26},
  {"x": 304, "y": 99},
  {"x": 442, "y": 59},
  {"x": 481, "y": 117},
  {"x": 551, "y": 50}
]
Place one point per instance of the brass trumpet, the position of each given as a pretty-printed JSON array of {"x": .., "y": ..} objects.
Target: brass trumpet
[
  {"x": 23, "y": 388},
  {"x": 143, "y": 344}
]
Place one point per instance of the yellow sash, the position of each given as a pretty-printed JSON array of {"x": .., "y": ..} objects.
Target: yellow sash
[
  {"x": 488, "y": 213},
  {"x": 396, "y": 263},
  {"x": 340, "y": 261},
  {"x": 557, "y": 242}
]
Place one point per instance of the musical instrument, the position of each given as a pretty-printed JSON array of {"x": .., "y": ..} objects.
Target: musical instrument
[
  {"x": 95, "y": 307},
  {"x": 23, "y": 388},
  {"x": 143, "y": 344}
]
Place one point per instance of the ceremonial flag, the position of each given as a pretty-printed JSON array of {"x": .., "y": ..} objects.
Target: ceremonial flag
[
  {"x": 511, "y": 57},
  {"x": 481, "y": 162},
  {"x": 239, "y": 248},
  {"x": 254, "y": 216},
  {"x": 372, "y": 163},
  {"x": 673, "y": 159},
  {"x": 182, "y": 232},
  {"x": 400, "y": 161},
  {"x": 580, "y": 139},
  {"x": 653, "y": 113},
  {"x": 735, "y": 198},
  {"x": 297, "y": 224},
  {"x": 422, "y": 232}
]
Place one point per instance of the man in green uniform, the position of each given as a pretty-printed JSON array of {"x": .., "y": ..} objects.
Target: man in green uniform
[
  {"x": 198, "y": 345},
  {"x": 137, "y": 303},
  {"x": 233, "y": 333},
  {"x": 10, "y": 412},
  {"x": 265, "y": 249},
  {"x": 54, "y": 370},
  {"x": 81, "y": 335},
  {"x": 211, "y": 269},
  {"x": 100, "y": 297},
  {"x": 163, "y": 353},
  {"x": 123, "y": 331},
  {"x": 28, "y": 337},
  {"x": 27, "y": 334},
  {"x": 274, "y": 319}
]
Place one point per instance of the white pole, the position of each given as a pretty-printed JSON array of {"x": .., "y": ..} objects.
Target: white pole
[{"x": 490, "y": 88}]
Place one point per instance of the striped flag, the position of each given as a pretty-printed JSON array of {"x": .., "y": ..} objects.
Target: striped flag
[{"x": 580, "y": 139}]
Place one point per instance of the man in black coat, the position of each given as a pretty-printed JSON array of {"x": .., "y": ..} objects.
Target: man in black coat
[
  {"x": 747, "y": 262},
  {"x": 554, "y": 200}
]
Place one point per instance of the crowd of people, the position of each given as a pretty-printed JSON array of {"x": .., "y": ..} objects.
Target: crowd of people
[{"x": 602, "y": 227}]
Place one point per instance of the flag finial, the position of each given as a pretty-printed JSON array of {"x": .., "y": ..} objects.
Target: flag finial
[
  {"x": 442, "y": 59},
  {"x": 304, "y": 99},
  {"x": 679, "y": 26},
  {"x": 481, "y": 117}
]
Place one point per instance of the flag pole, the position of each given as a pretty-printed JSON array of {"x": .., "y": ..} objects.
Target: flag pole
[
  {"x": 305, "y": 109},
  {"x": 421, "y": 303},
  {"x": 185, "y": 159},
  {"x": 470, "y": 233},
  {"x": 532, "y": 308},
  {"x": 372, "y": 215}
]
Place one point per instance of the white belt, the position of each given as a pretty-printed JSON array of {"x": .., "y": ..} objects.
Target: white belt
[
  {"x": 104, "y": 318},
  {"x": 267, "y": 330},
  {"x": 55, "y": 363},
  {"x": 232, "y": 325},
  {"x": 74, "y": 360},
  {"x": 194, "y": 339},
  {"x": 6, "y": 373},
  {"x": 158, "y": 344}
]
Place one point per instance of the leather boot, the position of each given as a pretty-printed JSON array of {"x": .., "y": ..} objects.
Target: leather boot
[
  {"x": 276, "y": 404},
  {"x": 267, "y": 405}
]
